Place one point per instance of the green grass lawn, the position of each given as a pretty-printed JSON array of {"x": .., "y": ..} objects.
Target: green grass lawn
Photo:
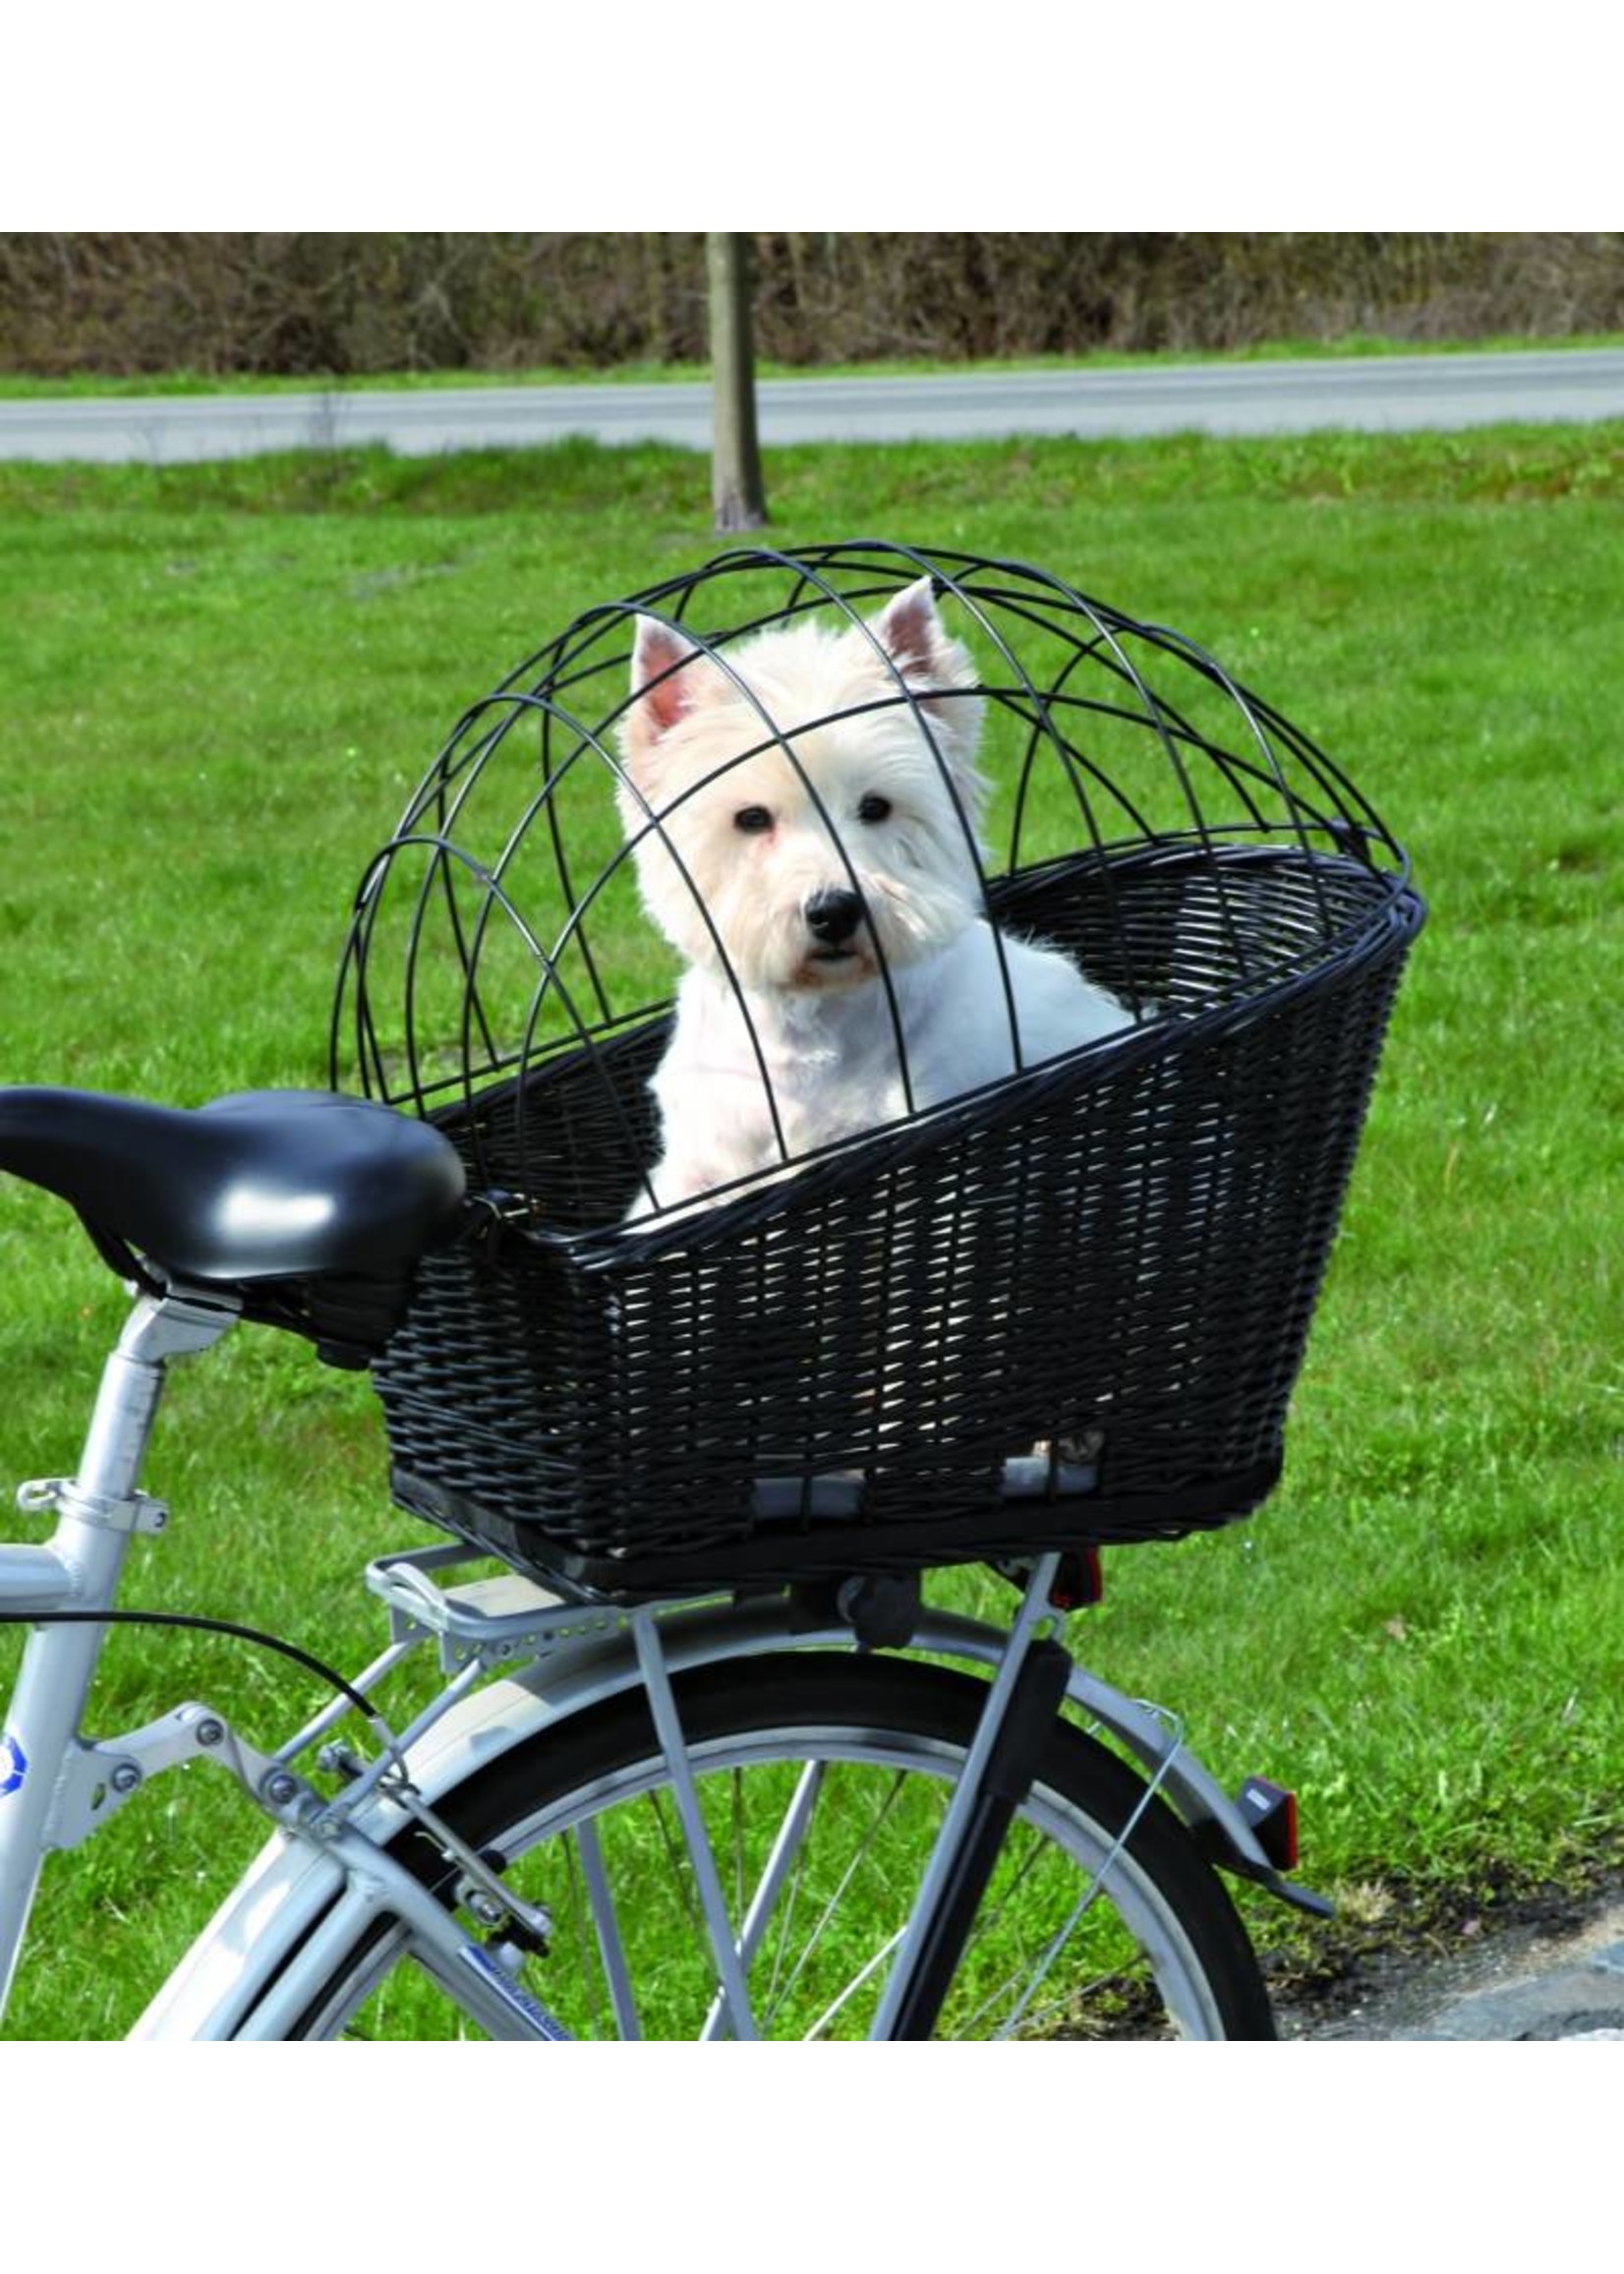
[{"x": 220, "y": 685}]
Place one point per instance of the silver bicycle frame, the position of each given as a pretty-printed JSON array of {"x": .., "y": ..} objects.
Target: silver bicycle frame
[{"x": 79, "y": 1571}]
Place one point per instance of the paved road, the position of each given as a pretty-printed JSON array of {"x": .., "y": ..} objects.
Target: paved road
[
  {"x": 1514, "y": 1983},
  {"x": 1375, "y": 394}
]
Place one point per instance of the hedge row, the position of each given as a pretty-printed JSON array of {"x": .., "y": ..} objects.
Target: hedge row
[{"x": 307, "y": 304}]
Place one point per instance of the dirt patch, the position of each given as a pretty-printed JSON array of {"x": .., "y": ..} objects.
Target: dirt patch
[{"x": 1517, "y": 1965}]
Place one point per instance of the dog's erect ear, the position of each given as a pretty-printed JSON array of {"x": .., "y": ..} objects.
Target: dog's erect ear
[
  {"x": 669, "y": 675},
  {"x": 911, "y": 630}
]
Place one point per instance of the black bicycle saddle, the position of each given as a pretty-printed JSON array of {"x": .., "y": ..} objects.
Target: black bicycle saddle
[{"x": 248, "y": 1193}]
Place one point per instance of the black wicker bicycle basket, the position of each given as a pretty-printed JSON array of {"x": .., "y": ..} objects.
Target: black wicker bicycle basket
[{"x": 1067, "y": 1305}]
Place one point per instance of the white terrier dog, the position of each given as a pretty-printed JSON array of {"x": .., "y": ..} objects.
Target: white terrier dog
[{"x": 805, "y": 836}]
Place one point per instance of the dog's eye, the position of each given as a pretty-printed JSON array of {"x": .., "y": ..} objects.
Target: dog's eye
[
  {"x": 752, "y": 819},
  {"x": 874, "y": 807}
]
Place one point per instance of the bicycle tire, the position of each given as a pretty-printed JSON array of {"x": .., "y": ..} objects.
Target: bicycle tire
[{"x": 1157, "y": 1950}]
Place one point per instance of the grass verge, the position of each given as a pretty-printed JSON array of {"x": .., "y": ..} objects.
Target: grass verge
[{"x": 24, "y": 385}]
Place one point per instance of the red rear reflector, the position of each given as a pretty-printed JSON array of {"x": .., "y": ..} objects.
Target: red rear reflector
[
  {"x": 1271, "y": 1811},
  {"x": 1079, "y": 1580}
]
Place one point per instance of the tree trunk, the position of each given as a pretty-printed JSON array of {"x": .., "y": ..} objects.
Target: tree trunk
[{"x": 737, "y": 490}]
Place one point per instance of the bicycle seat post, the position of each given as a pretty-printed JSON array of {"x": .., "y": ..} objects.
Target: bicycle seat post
[
  {"x": 159, "y": 1328},
  {"x": 97, "y": 1513}
]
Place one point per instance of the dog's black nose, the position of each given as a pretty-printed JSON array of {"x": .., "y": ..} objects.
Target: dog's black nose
[{"x": 834, "y": 916}]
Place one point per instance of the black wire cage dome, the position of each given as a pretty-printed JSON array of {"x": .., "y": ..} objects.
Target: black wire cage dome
[{"x": 1064, "y": 1304}]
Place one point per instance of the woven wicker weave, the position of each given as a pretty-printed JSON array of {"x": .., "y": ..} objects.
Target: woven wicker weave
[{"x": 1114, "y": 1256}]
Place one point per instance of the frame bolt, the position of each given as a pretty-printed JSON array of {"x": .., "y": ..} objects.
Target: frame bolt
[
  {"x": 281, "y": 1788},
  {"x": 125, "y": 1777},
  {"x": 209, "y": 1732}
]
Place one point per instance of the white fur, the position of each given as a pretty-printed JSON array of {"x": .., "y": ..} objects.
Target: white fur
[{"x": 701, "y": 748}]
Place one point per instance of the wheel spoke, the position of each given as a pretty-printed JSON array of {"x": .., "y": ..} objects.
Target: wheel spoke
[
  {"x": 864, "y": 1974},
  {"x": 583, "y": 1845},
  {"x": 832, "y": 1907},
  {"x": 783, "y": 1862}
]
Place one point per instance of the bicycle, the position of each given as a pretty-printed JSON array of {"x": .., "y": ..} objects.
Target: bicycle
[{"x": 703, "y": 1761}]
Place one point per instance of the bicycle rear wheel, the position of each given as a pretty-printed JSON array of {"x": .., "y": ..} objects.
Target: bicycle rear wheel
[{"x": 823, "y": 1779}]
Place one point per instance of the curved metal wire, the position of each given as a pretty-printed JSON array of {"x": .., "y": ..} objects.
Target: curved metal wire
[{"x": 1275, "y": 788}]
